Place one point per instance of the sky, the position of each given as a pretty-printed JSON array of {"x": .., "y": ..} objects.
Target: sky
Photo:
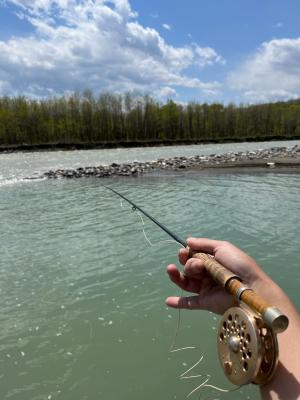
[{"x": 241, "y": 51}]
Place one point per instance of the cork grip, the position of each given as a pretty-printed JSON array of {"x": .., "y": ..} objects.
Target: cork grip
[
  {"x": 220, "y": 274},
  {"x": 249, "y": 297},
  {"x": 233, "y": 285}
]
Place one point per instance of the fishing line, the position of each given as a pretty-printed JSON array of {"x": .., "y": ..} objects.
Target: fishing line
[
  {"x": 183, "y": 348},
  {"x": 204, "y": 384},
  {"x": 143, "y": 229},
  {"x": 147, "y": 238},
  {"x": 219, "y": 390},
  {"x": 183, "y": 243},
  {"x": 155, "y": 221},
  {"x": 192, "y": 367},
  {"x": 139, "y": 214},
  {"x": 191, "y": 376},
  {"x": 173, "y": 343},
  {"x": 197, "y": 388}
]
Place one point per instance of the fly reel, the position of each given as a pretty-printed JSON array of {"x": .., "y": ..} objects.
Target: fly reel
[
  {"x": 247, "y": 348},
  {"x": 247, "y": 341}
]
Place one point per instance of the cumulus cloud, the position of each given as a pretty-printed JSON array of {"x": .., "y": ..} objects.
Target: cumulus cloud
[
  {"x": 272, "y": 73},
  {"x": 207, "y": 56},
  {"x": 97, "y": 44}
]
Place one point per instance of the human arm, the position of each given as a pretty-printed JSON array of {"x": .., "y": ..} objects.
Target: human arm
[{"x": 210, "y": 296}]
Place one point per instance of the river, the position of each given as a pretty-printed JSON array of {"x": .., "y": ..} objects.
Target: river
[{"x": 82, "y": 289}]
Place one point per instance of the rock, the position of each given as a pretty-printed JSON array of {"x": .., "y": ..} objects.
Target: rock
[{"x": 175, "y": 163}]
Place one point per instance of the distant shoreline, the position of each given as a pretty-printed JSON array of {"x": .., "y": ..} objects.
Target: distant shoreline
[{"x": 43, "y": 147}]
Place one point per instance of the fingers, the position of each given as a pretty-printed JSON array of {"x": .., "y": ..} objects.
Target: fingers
[
  {"x": 177, "y": 277},
  {"x": 194, "y": 268},
  {"x": 216, "y": 301},
  {"x": 193, "y": 279},
  {"x": 183, "y": 255},
  {"x": 190, "y": 303},
  {"x": 208, "y": 246}
]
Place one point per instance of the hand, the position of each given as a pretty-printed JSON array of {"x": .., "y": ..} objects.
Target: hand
[
  {"x": 285, "y": 383},
  {"x": 196, "y": 279}
]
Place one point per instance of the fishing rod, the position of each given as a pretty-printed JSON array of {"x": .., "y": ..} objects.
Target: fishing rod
[
  {"x": 247, "y": 335},
  {"x": 163, "y": 227}
]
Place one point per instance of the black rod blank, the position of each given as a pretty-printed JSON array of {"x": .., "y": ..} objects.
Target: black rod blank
[{"x": 164, "y": 228}]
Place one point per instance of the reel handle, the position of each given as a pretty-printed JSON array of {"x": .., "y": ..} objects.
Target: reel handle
[{"x": 272, "y": 316}]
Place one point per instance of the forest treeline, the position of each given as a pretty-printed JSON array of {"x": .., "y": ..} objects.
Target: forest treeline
[{"x": 126, "y": 119}]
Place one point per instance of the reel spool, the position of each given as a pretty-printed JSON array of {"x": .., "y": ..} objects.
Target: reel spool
[
  {"x": 247, "y": 341},
  {"x": 247, "y": 348}
]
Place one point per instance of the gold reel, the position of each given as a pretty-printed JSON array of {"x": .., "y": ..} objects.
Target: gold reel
[{"x": 248, "y": 349}]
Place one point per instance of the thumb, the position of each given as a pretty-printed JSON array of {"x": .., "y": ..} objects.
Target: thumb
[{"x": 216, "y": 301}]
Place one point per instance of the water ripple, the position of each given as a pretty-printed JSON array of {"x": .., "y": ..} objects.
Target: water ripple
[{"x": 83, "y": 292}]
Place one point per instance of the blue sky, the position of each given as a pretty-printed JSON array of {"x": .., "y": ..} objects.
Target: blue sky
[{"x": 230, "y": 50}]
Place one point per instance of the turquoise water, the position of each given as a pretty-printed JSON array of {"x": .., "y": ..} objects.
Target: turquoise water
[{"x": 82, "y": 290}]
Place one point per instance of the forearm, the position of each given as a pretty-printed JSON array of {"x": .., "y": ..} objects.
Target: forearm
[{"x": 285, "y": 385}]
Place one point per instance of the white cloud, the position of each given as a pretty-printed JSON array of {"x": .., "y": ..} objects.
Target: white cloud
[
  {"x": 167, "y": 27},
  {"x": 272, "y": 73},
  {"x": 207, "y": 56},
  {"x": 273, "y": 95},
  {"x": 97, "y": 44},
  {"x": 167, "y": 92}
]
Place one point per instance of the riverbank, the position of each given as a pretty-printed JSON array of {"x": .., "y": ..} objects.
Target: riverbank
[
  {"x": 43, "y": 147},
  {"x": 270, "y": 158}
]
